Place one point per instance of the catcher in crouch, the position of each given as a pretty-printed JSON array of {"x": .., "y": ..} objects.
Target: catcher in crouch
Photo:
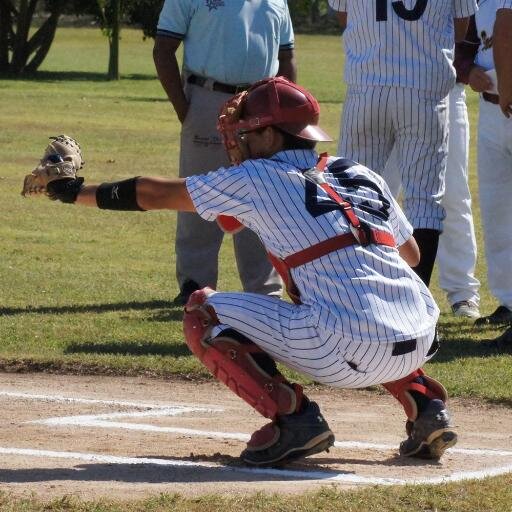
[{"x": 361, "y": 316}]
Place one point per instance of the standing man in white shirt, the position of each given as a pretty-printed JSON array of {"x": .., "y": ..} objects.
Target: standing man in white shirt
[
  {"x": 399, "y": 72},
  {"x": 228, "y": 44}
]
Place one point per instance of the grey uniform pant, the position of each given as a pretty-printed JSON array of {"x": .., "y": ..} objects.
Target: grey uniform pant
[{"x": 198, "y": 241}]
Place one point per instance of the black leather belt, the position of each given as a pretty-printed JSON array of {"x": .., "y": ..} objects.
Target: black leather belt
[
  {"x": 491, "y": 98},
  {"x": 217, "y": 86},
  {"x": 403, "y": 347}
]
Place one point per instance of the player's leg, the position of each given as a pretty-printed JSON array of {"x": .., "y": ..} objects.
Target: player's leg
[
  {"x": 297, "y": 428},
  {"x": 197, "y": 241},
  {"x": 495, "y": 190},
  {"x": 366, "y": 131},
  {"x": 257, "y": 274},
  {"x": 288, "y": 333},
  {"x": 422, "y": 135},
  {"x": 429, "y": 432},
  {"x": 457, "y": 251}
]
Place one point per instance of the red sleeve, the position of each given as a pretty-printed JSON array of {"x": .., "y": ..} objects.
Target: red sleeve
[{"x": 465, "y": 52}]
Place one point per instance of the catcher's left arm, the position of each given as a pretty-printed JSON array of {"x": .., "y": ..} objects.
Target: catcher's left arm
[{"x": 56, "y": 177}]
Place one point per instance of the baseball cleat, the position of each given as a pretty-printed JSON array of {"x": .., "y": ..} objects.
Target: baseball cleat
[
  {"x": 466, "y": 309},
  {"x": 502, "y": 315},
  {"x": 431, "y": 434},
  {"x": 288, "y": 438}
]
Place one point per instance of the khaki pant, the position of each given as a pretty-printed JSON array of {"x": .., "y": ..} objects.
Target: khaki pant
[{"x": 198, "y": 241}]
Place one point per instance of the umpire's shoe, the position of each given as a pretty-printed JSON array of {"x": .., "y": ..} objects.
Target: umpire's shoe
[
  {"x": 188, "y": 288},
  {"x": 430, "y": 434},
  {"x": 288, "y": 438}
]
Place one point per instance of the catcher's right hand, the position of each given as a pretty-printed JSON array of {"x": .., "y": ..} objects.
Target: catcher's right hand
[{"x": 61, "y": 160}]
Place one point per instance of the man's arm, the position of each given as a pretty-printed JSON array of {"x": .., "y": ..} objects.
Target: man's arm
[
  {"x": 502, "y": 51},
  {"x": 287, "y": 64},
  {"x": 461, "y": 28},
  {"x": 151, "y": 193},
  {"x": 342, "y": 19},
  {"x": 164, "y": 56},
  {"x": 466, "y": 52}
]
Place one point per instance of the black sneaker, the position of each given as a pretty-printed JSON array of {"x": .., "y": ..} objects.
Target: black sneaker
[
  {"x": 189, "y": 287},
  {"x": 431, "y": 434},
  {"x": 294, "y": 436},
  {"x": 502, "y": 315}
]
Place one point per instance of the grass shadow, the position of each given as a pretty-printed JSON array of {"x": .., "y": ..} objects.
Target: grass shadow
[
  {"x": 173, "y": 311},
  {"x": 132, "y": 348},
  {"x": 148, "y": 472},
  {"x": 452, "y": 350},
  {"x": 74, "y": 76}
]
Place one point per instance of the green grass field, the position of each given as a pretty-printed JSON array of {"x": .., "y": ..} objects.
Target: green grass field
[{"x": 90, "y": 291}]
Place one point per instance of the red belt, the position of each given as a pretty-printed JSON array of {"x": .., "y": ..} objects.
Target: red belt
[{"x": 333, "y": 244}]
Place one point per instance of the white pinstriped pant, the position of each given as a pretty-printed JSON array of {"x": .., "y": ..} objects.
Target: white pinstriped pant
[
  {"x": 377, "y": 119},
  {"x": 286, "y": 332}
]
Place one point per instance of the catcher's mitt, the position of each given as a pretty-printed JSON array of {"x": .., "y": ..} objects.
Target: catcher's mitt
[{"x": 61, "y": 160}]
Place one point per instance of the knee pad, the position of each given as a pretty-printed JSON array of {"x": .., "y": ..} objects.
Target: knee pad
[
  {"x": 419, "y": 382},
  {"x": 238, "y": 362},
  {"x": 198, "y": 321}
]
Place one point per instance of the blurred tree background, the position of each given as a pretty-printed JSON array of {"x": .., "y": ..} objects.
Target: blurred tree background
[{"x": 27, "y": 27}]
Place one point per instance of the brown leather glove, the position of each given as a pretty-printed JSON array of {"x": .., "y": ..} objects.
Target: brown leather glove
[{"x": 62, "y": 159}]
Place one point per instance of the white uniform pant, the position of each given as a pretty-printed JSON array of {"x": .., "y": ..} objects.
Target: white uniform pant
[
  {"x": 495, "y": 190},
  {"x": 457, "y": 252},
  {"x": 289, "y": 334}
]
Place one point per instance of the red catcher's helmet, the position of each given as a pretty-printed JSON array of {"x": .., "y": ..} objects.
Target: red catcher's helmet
[{"x": 279, "y": 102}]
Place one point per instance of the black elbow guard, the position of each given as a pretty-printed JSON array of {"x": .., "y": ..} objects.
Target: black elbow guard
[{"x": 120, "y": 195}]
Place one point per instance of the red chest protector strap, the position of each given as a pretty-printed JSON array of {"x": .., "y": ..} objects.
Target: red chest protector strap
[{"x": 360, "y": 233}]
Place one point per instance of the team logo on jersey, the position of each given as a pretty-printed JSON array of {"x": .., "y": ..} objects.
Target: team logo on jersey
[
  {"x": 486, "y": 40},
  {"x": 214, "y": 4}
]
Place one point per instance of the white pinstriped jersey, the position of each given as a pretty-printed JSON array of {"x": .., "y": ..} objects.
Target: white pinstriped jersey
[
  {"x": 504, "y": 4},
  {"x": 406, "y": 43},
  {"x": 361, "y": 293}
]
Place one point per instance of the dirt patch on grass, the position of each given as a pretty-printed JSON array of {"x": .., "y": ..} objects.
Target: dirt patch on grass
[{"x": 127, "y": 438}]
